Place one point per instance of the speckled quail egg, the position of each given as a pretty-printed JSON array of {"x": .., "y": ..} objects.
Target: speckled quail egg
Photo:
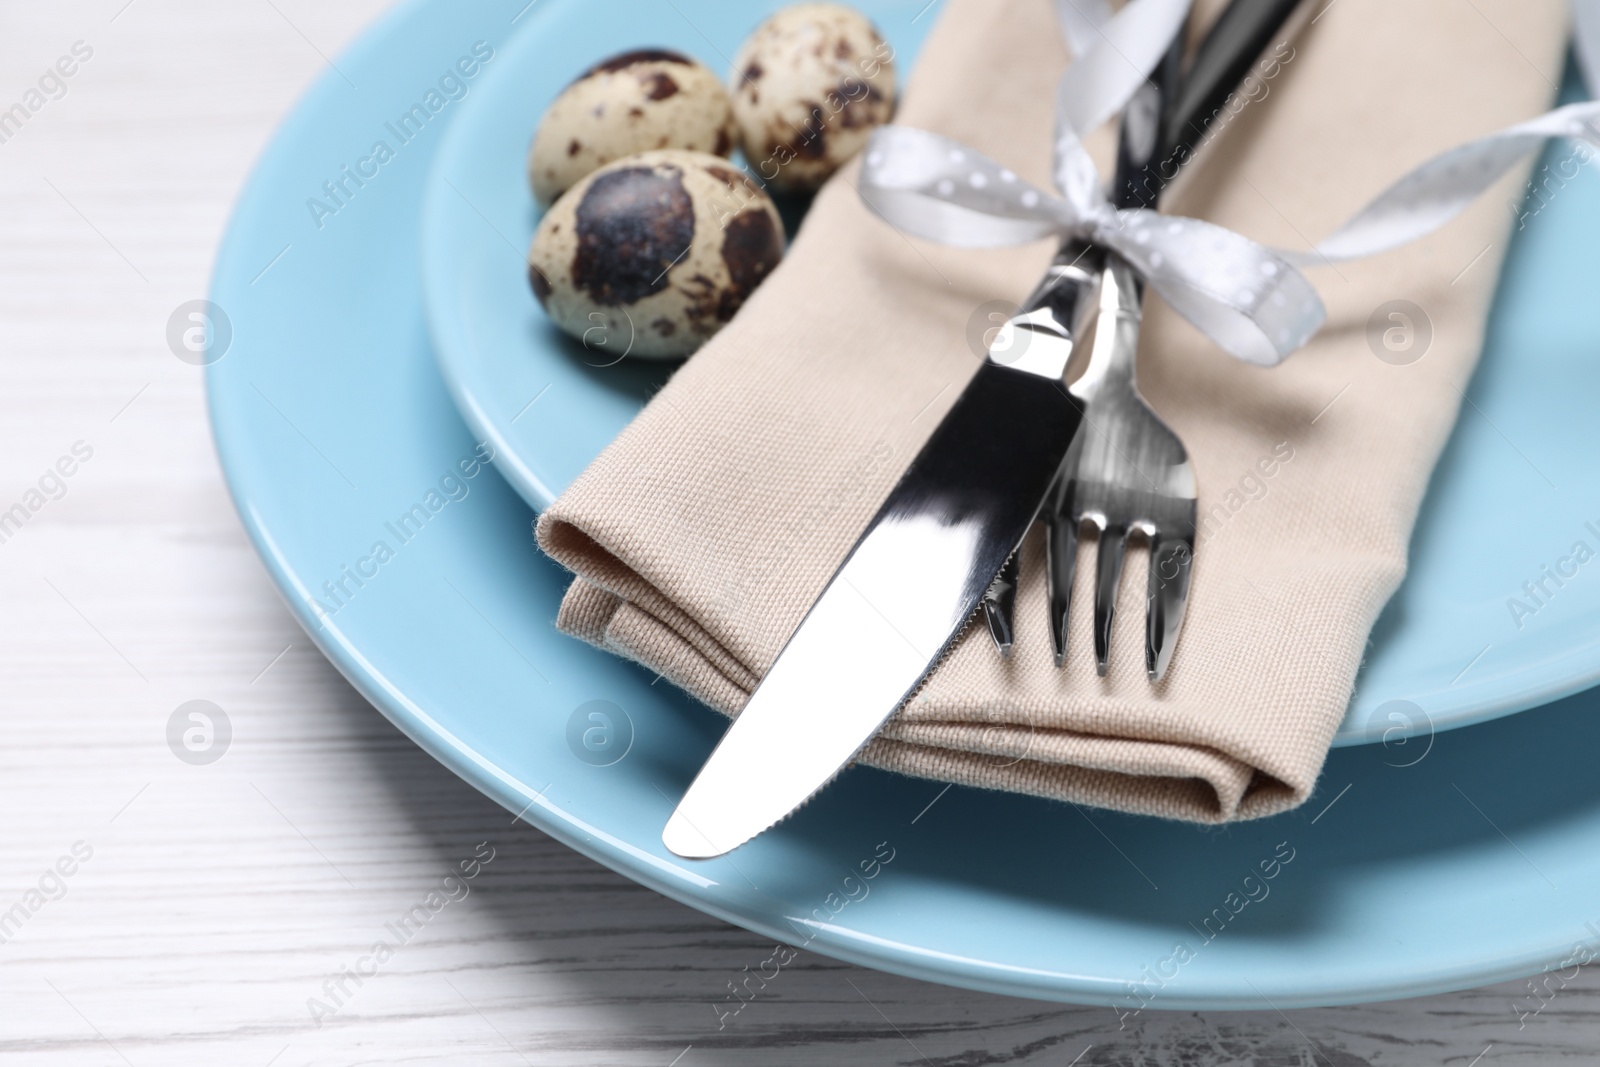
[
  {"x": 633, "y": 102},
  {"x": 650, "y": 255},
  {"x": 809, "y": 85}
]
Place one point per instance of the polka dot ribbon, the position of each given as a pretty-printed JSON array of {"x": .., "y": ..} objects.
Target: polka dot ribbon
[{"x": 1248, "y": 298}]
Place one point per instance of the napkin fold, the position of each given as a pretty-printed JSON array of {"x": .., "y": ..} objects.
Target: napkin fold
[{"x": 703, "y": 533}]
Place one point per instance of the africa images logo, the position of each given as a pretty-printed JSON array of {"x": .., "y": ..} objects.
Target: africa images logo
[
  {"x": 341, "y": 189},
  {"x": 337, "y": 592}
]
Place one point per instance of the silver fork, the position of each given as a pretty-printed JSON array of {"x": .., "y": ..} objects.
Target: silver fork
[{"x": 1126, "y": 472}]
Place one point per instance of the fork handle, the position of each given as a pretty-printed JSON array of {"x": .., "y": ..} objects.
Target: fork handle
[
  {"x": 1111, "y": 362},
  {"x": 1232, "y": 45}
]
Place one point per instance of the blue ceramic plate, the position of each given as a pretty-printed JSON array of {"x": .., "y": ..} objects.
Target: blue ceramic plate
[
  {"x": 1509, "y": 497},
  {"x": 1441, "y": 863}
]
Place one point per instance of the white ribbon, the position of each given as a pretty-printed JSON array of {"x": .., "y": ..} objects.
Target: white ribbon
[{"x": 1246, "y": 297}]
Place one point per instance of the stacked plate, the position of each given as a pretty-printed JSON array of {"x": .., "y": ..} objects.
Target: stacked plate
[{"x": 385, "y": 344}]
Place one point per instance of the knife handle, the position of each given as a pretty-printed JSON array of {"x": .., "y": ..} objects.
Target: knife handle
[
  {"x": 1137, "y": 182},
  {"x": 1221, "y": 64},
  {"x": 1181, "y": 110}
]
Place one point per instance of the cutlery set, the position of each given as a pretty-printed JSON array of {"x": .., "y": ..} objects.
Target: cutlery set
[{"x": 1019, "y": 445}]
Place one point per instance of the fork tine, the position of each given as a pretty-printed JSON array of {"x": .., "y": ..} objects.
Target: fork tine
[
  {"x": 1060, "y": 564},
  {"x": 1170, "y": 560},
  {"x": 1000, "y": 605},
  {"x": 1113, "y": 542}
]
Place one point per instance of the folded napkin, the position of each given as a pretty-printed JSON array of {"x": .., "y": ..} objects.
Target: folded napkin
[{"x": 704, "y": 532}]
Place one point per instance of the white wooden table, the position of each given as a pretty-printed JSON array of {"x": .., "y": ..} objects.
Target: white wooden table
[{"x": 217, "y": 901}]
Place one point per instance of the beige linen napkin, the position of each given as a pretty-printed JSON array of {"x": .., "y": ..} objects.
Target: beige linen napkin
[{"x": 704, "y": 532}]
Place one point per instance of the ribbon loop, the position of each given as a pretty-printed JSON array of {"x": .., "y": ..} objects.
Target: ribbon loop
[
  {"x": 1247, "y": 298},
  {"x": 1129, "y": 47},
  {"x": 1243, "y": 296},
  {"x": 938, "y": 189},
  {"x": 1100, "y": 82}
]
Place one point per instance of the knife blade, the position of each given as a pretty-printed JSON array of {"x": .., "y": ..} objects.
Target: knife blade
[{"x": 911, "y": 583}]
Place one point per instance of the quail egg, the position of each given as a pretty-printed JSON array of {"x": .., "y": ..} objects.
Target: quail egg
[
  {"x": 809, "y": 85},
  {"x": 633, "y": 102},
  {"x": 650, "y": 255}
]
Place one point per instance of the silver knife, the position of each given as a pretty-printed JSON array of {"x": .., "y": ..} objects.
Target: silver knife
[
  {"x": 910, "y": 584},
  {"x": 916, "y": 577}
]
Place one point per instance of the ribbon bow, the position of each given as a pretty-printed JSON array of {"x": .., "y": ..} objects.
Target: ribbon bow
[{"x": 1248, "y": 298}]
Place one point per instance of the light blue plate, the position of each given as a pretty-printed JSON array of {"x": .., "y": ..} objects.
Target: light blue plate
[
  {"x": 1510, "y": 495},
  {"x": 1473, "y": 864}
]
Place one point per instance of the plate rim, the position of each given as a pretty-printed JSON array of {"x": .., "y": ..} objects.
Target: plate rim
[{"x": 502, "y": 786}]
